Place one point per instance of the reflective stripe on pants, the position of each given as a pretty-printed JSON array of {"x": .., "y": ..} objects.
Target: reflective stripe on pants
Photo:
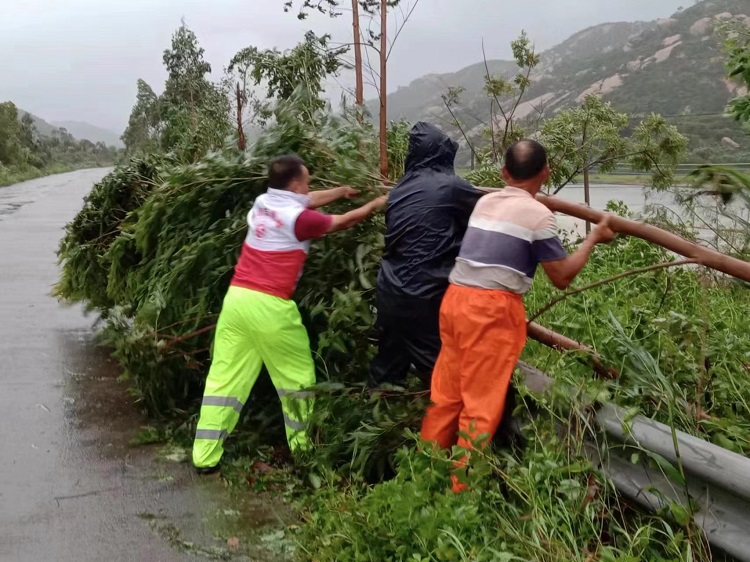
[{"x": 255, "y": 329}]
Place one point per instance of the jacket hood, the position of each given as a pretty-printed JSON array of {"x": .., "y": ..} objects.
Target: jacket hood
[{"x": 430, "y": 148}]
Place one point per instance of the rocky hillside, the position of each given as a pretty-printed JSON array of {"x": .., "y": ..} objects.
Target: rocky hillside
[{"x": 672, "y": 66}]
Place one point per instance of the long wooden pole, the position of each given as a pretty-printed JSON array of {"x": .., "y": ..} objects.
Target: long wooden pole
[
  {"x": 702, "y": 255},
  {"x": 359, "y": 92},
  {"x": 383, "y": 90}
]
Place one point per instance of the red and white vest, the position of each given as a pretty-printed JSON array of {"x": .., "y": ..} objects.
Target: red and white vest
[{"x": 272, "y": 257}]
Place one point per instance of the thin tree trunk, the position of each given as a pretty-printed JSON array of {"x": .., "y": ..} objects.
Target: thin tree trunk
[
  {"x": 192, "y": 112},
  {"x": 359, "y": 93},
  {"x": 383, "y": 90},
  {"x": 587, "y": 193},
  {"x": 586, "y": 182},
  {"x": 240, "y": 130},
  {"x": 547, "y": 337}
]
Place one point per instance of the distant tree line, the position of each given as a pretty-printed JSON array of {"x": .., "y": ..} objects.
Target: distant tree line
[{"x": 25, "y": 153}]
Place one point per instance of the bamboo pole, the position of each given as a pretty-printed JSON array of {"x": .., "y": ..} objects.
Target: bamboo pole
[{"x": 704, "y": 256}]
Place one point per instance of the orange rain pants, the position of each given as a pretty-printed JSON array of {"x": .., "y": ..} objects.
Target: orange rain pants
[{"x": 483, "y": 333}]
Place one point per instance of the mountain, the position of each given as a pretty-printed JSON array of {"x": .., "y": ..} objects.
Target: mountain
[
  {"x": 81, "y": 130},
  {"x": 42, "y": 127},
  {"x": 673, "y": 66}
]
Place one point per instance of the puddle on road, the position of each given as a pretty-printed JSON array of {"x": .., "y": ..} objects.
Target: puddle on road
[
  {"x": 7, "y": 209},
  {"x": 198, "y": 515}
]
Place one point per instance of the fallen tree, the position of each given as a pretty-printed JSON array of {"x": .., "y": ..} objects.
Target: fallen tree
[
  {"x": 705, "y": 256},
  {"x": 154, "y": 248}
]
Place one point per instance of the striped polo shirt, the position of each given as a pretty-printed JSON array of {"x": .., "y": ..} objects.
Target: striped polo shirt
[{"x": 509, "y": 234}]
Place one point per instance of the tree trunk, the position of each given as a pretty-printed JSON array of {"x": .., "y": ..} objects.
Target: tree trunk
[
  {"x": 587, "y": 193},
  {"x": 240, "y": 130},
  {"x": 359, "y": 93},
  {"x": 586, "y": 184},
  {"x": 547, "y": 337},
  {"x": 383, "y": 90},
  {"x": 702, "y": 255}
]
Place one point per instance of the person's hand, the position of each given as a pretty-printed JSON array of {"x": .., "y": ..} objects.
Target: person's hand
[
  {"x": 348, "y": 192},
  {"x": 603, "y": 233},
  {"x": 380, "y": 202}
]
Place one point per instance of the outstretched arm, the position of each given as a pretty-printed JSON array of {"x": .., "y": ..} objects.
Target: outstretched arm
[
  {"x": 353, "y": 218},
  {"x": 562, "y": 272},
  {"x": 325, "y": 197}
]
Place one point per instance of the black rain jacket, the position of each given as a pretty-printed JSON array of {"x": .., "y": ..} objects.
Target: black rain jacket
[{"x": 426, "y": 219}]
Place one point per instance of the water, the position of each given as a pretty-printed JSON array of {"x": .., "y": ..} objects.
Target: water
[{"x": 640, "y": 201}]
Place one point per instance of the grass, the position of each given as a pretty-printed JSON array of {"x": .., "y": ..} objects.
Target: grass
[
  {"x": 10, "y": 176},
  {"x": 677, "y": 337},
  {"x": 369, "y": 492}
]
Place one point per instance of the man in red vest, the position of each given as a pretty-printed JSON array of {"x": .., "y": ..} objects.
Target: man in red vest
[{"x": 259, "y": 322}]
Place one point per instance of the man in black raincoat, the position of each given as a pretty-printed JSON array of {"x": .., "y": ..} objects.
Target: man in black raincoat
[{"x": 426, "y": 217}]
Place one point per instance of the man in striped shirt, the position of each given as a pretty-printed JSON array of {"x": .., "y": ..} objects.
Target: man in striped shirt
[{"x": 482, "y": 317}]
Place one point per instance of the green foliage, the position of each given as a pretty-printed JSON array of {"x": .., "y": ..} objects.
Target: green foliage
[
  {"x": 737, "y": 44},
  {"x": 587, "y": 136},
  {"x": 677, "y": 339},
  {"x": 25, "y": 154},
  {"x": 191, "y": 117},
  {"x": 144, "y": 126},
  {"x": 154, "y": 250},
  {"x": 309, "y": 63},
  {"x": 594, "y": 135},
  {"x": 504, "y": 96},
  {"x": 398, "y": 148},
  {"x": 105, "y": 217},
  {"x": 681, "y": 346},
  {"x": 543, "y": 502},
  {"x": 358, "y": 432}
]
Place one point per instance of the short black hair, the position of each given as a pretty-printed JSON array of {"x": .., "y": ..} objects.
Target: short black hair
[
  {"x": 284, "y": 170},
  {"x": 525, "y": 159}
]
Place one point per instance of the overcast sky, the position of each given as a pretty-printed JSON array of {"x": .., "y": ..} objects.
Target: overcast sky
[{"x": 80, "y": 59}]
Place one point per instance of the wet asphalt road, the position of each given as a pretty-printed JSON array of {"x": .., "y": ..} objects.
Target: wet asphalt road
[{"x": 70, "y": 489}]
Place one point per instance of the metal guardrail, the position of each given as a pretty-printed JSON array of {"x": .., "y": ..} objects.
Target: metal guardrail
[
  {"x": 717, "y": 482},
  {"x": 680, "y": 169},
  {"x": 716, "y": 491},
  {"x": 713, "y": 485}
]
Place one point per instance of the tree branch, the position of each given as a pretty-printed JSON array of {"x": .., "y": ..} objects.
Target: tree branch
[
  {"x": 458, "y": 124},
  {"x": 400, "y": 28}
]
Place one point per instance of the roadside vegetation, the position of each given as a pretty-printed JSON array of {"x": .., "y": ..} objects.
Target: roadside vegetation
[
  {"x": 25, "y": 154},
  {"x": 153, "y": 249}
]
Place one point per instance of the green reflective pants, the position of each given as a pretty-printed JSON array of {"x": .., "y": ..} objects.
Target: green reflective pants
[{"x": 254, "y": 329}]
